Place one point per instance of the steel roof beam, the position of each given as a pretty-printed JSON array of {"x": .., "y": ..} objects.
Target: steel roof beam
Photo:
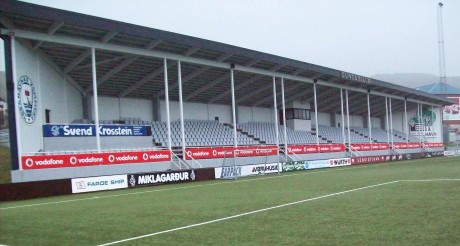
[
  {"x": 51, "y": 30},
  {"x": 158, "y": 54},
  {"x": 195, "y": 74}
]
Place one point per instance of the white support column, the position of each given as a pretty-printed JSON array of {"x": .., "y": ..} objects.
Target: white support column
[
  {"x": 284, "y": 117},
  {"x": 96, "y": 106},
  {"x": 419, "y": 112},
  {"x": 275, "y": 109},
  {"x": 235, "y": 136},
  {"x": 181, "y": 106},
  {"x": 343, "y": 116},
  {"x": 391, "y": 125},
  {"x": 369, "y": 123},
  {"x": 432, "y": 121},
  {"x": 387, "y": 126},
  {"x": 406, "y": 124},
  {"x": 316, "y": 113},
  {"x": 348, "y": 119},
  {"x": 16, "y": 107},
  {"x": 168, "y": 119}
]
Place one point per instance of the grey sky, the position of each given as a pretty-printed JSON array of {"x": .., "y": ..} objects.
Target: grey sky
[{"x": 363, "y": 37}]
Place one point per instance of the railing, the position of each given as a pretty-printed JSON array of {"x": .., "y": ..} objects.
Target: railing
[
  {"x": 397, "y": 150},
  {"x": 194, "y": 161},
  {"x": 354, "y": 152},
  {"x": 179, "y": 161}
]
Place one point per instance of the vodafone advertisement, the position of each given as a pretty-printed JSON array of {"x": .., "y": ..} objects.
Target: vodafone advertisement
[
  {"x": 433, "y": 145},
  {"x": 227, "y": 152},
  {"x": 311, "y": 149},
  {"x": 370, "y": 146},
  {"x": 407, "y": 145},
  {"x": 93, "y": 159}
]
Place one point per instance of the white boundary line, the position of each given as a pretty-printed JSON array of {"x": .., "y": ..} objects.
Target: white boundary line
[
  {"x": 253, "y": 178},
  {"x": 270, "y": 208}
]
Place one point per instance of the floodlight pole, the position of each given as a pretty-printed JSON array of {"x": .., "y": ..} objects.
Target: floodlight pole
[
  {"x": 316, "y": 112},
  {"x": 96, "y": 106},
  {"x": 369, "y": 123},
  {"x": 168, "y": 119},
  {"x": 342, "y": 114},
  {"x": 181, "y": 107}
]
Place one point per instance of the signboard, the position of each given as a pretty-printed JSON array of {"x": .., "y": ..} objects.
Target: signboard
[
  {"x": 433, "y": 145},
  {"x": 370, "y": 146},
  {"x": 311, "y": 149},
  {"x": 317, "y": 164},
  {"x": 423, "y": 124},
  {"x": 161, "y": 178},
  {"x": 293, "y": 166},
  {"x": 228, "y": 152},
  {"x": 407, "y": 145},
  {"x": 89, "y": 130},
  {"x": 93, "y": 159},
  {"x": 99, "y": 183},
  {"x": 240, "y": 171}
]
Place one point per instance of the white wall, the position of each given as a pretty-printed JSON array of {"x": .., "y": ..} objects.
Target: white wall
[
  {"x": 324, "y": 119},
  {"x": 112, "y": 108},
  {"x": 53, "y": 93}
]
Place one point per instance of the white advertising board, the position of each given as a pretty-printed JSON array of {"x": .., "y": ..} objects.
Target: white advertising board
[
  {"x": 239, "y": 171},
  {"x": 113, "y": 182}
]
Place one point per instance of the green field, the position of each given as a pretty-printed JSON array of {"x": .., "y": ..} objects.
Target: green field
[{"x": 311, "y": 211}]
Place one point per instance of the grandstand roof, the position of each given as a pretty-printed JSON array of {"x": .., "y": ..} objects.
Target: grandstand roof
[
  {"x": 439, "y": 89},
  {"x": 130, "y": 64}
]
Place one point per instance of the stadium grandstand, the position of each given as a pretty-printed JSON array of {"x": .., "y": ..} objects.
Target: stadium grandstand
[{"x": 89, "y": 96}]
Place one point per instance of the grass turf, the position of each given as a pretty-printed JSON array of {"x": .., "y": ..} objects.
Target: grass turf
[{"x": 404, "y": 213}]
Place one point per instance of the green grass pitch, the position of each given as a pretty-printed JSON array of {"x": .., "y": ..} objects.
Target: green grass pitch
[{"x": 398, "y": 213}]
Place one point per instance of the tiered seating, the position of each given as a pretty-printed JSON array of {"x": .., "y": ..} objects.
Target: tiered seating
[
  {"x": 402, "y": 136},
  {"x": 198, "y": 133},
  {"x": 333, "y": 134},
  {"x": 266, "y": 132}
]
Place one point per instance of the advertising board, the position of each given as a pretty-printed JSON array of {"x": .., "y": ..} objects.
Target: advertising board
[
  {"x": 93, "y": 159},
  {"x": 327, "y": 163},
  {"x": 313, "y": 148},
  {"x": 293, "y": 166},
  {"x": 80, "y": 185},
  {"x": 161, "y": 178},
  {"x": 89, "y": 130},
  {"x": 248, "y": 170},
  {"x": 228, "y": 152}
]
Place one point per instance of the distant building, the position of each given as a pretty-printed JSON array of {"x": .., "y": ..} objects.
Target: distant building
[{"x": 451, "y": 113}]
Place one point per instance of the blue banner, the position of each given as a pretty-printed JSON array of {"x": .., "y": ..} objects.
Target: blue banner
[{"x": 83, "y": 130}]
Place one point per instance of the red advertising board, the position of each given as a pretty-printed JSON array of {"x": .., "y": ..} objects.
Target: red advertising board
[
  {"x": 93, "y": 159},
  {"x": 433, "y": 145},
  {"x": 313, "y": 148},
  {"x": 407, "y": 145},
  {"x": 370, "y": 146},
  {"x": 228, "y": 152}
]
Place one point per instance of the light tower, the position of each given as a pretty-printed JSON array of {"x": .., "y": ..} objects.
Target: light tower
[{"x": 442, "y": 60}]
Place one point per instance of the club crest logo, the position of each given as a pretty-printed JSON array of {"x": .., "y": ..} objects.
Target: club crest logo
[{"x": 27, "y": 99}]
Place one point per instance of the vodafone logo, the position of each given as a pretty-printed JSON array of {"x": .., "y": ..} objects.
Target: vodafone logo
[
  {"x": 145, "y": 156},
  {"x": 111, "y": 158},
  {"x": 214, "y": 152},
  {"x": 73, "y": 160},
  {"x": 29, "y": 162},
  {"x": 189, "y": 153}
]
